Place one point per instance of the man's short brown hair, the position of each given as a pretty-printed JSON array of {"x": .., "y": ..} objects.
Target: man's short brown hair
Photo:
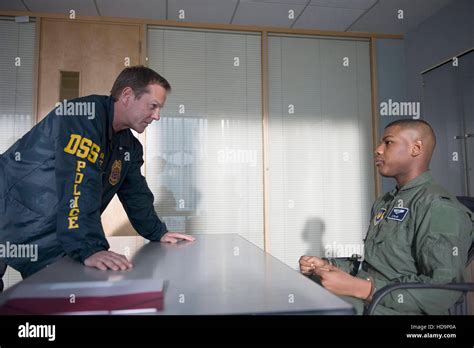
[{"x": 137, "y": 78}]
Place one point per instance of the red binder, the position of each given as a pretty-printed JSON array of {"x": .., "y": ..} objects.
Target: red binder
[{"x": 98, "y": 297}]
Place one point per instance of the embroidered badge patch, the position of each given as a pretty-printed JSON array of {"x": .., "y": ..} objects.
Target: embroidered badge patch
[
  {"x": 114, "y": 177},
  {"x": 379, "y": 216},
  {"x": 398, "y": 214}
]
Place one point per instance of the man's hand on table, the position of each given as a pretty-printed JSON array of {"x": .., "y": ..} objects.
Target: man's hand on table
[
  {"x": 341, "y": 283},
  {"x": 175, "y": 237},
  {"x": 105, "y": 260},
  {"x": 309, "y": 263},
  {"x": 334, "y": 279}
]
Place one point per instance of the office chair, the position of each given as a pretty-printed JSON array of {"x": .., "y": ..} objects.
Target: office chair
[
  {"x": 3, "y": 269},
  {"x": 459, "y": 308}
]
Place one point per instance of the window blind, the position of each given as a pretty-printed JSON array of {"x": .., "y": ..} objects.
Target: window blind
[
  {"x": 321, "y": 181},
  {"x": 204, "y": 157},
  {"x": 17, "y": 41},
  {"x": 17, "y": 83}
]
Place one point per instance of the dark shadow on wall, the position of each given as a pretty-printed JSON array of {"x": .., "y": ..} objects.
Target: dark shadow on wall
[{"x": 313, "y": 234}]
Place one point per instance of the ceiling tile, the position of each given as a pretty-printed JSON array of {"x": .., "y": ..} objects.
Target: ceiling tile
[
  {"x": 265, "y": 14},
  {"x": 154, "y": 9},
  {"x": 209, "y": 11},
  {"x": 357, "y": 4},
  {"x": 382, "y": 18},
  {"x": 288, "y": 2},
  {"x": 81, "y": 7},
  {"x": 12, "y": 5},
  {"x": 327, "y": 18}
]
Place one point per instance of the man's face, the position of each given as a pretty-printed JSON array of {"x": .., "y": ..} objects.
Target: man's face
[
  {"x": 141, "y": 112},
  {"x": 393, "y": 155}
]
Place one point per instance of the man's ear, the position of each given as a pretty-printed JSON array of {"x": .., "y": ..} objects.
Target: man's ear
[
  {"x": 417, "y": 148},
  {"x": 126, "y": 94}
]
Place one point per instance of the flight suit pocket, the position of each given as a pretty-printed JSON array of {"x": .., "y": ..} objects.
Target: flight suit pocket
[
  {"x": 397, "y": 249},
  {"x": 395, "y": 233}
]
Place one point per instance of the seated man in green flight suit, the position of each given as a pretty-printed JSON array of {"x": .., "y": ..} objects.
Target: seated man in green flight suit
[{"x": 418, "y": 233}]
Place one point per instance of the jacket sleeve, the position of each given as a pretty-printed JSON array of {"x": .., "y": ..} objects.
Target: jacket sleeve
[
  {"x": 137, "y": 200},
  {"x": 79, "y": 186},
  {"x": 442, "y": 247}
]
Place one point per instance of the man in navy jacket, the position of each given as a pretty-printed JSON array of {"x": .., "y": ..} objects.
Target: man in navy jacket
[{"x": 56, "y": 181}]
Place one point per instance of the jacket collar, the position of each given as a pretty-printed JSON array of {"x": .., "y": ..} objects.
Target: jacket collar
[
  {"x": 418, "y": 181},
  {"x": 123, "y": 137}
]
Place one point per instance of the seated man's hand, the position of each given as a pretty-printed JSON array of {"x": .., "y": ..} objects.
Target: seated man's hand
[
  {"x": 309, "y": 263},
  {"x": 343, "y": 284},
  {"x": 175, "y": 237},
  {"x": 104, "y": 260}
]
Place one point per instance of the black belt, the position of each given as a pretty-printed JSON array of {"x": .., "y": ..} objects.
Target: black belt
[
  {"x": 357, "y": 262},
  {"x": 365, "y": 266}
]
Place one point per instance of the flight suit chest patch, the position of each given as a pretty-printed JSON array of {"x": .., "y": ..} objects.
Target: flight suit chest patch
[
  {"x": 379, "y": 216},
  {"x": 398, "y": 214}
]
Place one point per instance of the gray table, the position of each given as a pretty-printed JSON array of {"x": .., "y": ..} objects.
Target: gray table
[{"x": 216, "y": 274}]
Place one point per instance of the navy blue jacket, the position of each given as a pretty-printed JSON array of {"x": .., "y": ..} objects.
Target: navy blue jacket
[{"x": 56, "y": 181}]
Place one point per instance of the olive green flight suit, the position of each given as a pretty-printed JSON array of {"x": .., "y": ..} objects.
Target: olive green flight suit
[{"x": 418, "y": 233}]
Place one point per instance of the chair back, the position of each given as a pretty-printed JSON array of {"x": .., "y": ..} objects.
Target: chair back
[{"x": 461, "y": 307}]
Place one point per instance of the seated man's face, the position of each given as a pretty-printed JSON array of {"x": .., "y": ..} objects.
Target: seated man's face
[
  {"x": 142, "y": 111},
  {"x": 393, "y": 156}
]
